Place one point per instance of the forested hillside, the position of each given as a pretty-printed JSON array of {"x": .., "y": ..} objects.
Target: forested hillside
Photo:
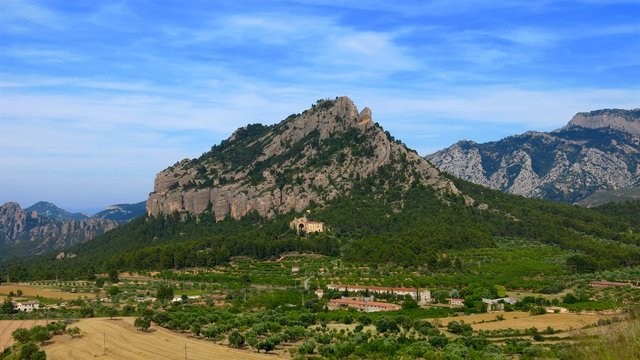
[{"x": 367, "y": 226}]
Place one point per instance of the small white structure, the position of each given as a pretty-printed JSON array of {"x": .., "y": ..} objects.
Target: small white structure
[
  {"x": 319, "y": 293},
  {"x": 556, "y": 310},
  {"x": 142, "y": 299},
  {"x": 178, "y": 298},
  {"x": 455, "y": 301},
  {"x": 27, "y": 306}
]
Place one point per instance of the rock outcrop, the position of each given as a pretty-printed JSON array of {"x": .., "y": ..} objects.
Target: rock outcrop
[
  {"x": 599, "y": 150},
  {"x": 35, "y": 234},
  {"x": 311, "y": 157}
]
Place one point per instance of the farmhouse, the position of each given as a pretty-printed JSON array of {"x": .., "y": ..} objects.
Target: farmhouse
[
  {"x": 423, "y": 296},
  {"x": 27, "y": 306},
  {"x": 362, "y": 305},
  {"x": 308, "y": 226},
  {"x": 498, "y": 304}
]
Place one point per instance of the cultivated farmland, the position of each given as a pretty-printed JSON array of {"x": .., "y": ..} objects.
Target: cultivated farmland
[{"x": 125, "y": 342}]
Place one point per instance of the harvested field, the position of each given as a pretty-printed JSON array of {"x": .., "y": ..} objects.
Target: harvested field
[
  {"x": 522, "y": 320},
  {"x": 8, "y": 326},
  {"x": 125, "y": 342},
  {"x": 33, "y": 291},
  {"x": 562, "y": 322},
  {"x": 476, "y": 318}
]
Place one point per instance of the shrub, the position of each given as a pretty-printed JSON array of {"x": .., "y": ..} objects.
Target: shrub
[
  {"x": 537, "y": 310},
  {"x": 236, "y": 339}
]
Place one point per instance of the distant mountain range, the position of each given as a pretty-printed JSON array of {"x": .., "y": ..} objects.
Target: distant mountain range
[
  {"x": 44, "y": 226},
  {"x": 595, "y": 151},
  {"x": 51, "y": 211}
]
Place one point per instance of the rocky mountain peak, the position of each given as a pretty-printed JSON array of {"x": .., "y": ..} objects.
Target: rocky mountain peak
[
  {"x": 621, "y": 120},
  {"x": 33, "y": 232},
  {"x": 597, "y": 150},
  {"x": 310, "y": 157},
  {"x": 51, "y": 211}
]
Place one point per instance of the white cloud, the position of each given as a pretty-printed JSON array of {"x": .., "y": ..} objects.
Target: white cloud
[{"x": 14, "y": 14}]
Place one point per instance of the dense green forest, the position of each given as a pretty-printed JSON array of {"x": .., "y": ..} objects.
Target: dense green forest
[{"x": 373, "y": 224}]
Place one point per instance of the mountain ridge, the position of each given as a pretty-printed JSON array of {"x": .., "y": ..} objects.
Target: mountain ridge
[
  {"x": 44, "y": 226},
  {"x": 311, "y": 157},
  {"x": 380, "y": 202},
  {"x": 598, "y": 150},
  {"x": 51, "y": 211}
]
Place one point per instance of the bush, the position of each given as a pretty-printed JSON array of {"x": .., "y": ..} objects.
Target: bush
[
  {"x": 459, "y": 327},
  {"x": 40, "y": 334},
  {"x": 307, "y": 348},
  {"x": 537, "y": 310},
  {"x": 236, "y": 340},
  {"x": 21, "y": 335},
  {"x": 142, "y": 323}
]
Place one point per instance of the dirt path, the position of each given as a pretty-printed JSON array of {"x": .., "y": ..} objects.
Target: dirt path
[{"x": 124, "y": 342}]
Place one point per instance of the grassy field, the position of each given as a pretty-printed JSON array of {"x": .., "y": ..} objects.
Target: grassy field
[
  {"x": 125, "y": 342},
  {"x": 8, "y": 326},
  {"x": 34, "y": 291}
]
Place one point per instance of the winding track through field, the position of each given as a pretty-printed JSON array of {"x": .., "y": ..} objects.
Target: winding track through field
[{"x": 124, "y": 342}]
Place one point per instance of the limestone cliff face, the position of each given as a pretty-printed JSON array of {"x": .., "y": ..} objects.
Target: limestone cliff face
[
  {"x": 310, "y": 157},
  {"x": 35, "y": 234},
  {"x": 599, "y": 150}
]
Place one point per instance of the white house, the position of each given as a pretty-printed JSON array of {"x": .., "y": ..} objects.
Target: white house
[{"x": 27, "y": 306}]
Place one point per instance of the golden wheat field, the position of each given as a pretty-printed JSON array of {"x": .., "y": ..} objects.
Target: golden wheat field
[
  {"x": 522, "y": 320},
  {"x": 8, "y": 326},
  {"x": 103, "y": 338},
  {"x": 33, "y": 291}
]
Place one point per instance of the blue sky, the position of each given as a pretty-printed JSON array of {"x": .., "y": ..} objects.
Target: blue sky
[{"x": 98, "y": 96}]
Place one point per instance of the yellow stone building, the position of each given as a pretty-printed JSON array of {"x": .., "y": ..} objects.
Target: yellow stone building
[{"x": 308, "y": 226}]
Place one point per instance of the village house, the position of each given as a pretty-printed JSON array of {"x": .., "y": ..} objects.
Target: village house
[
  {"x": 455, "y": 302},
  {"x": 362, "y": 305},
  {"x": 422, "y": 296},
  {"x": 307, "y": 226},
  {"x": 498, "y": 304},
  {"x": 27, "y": 306}
]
